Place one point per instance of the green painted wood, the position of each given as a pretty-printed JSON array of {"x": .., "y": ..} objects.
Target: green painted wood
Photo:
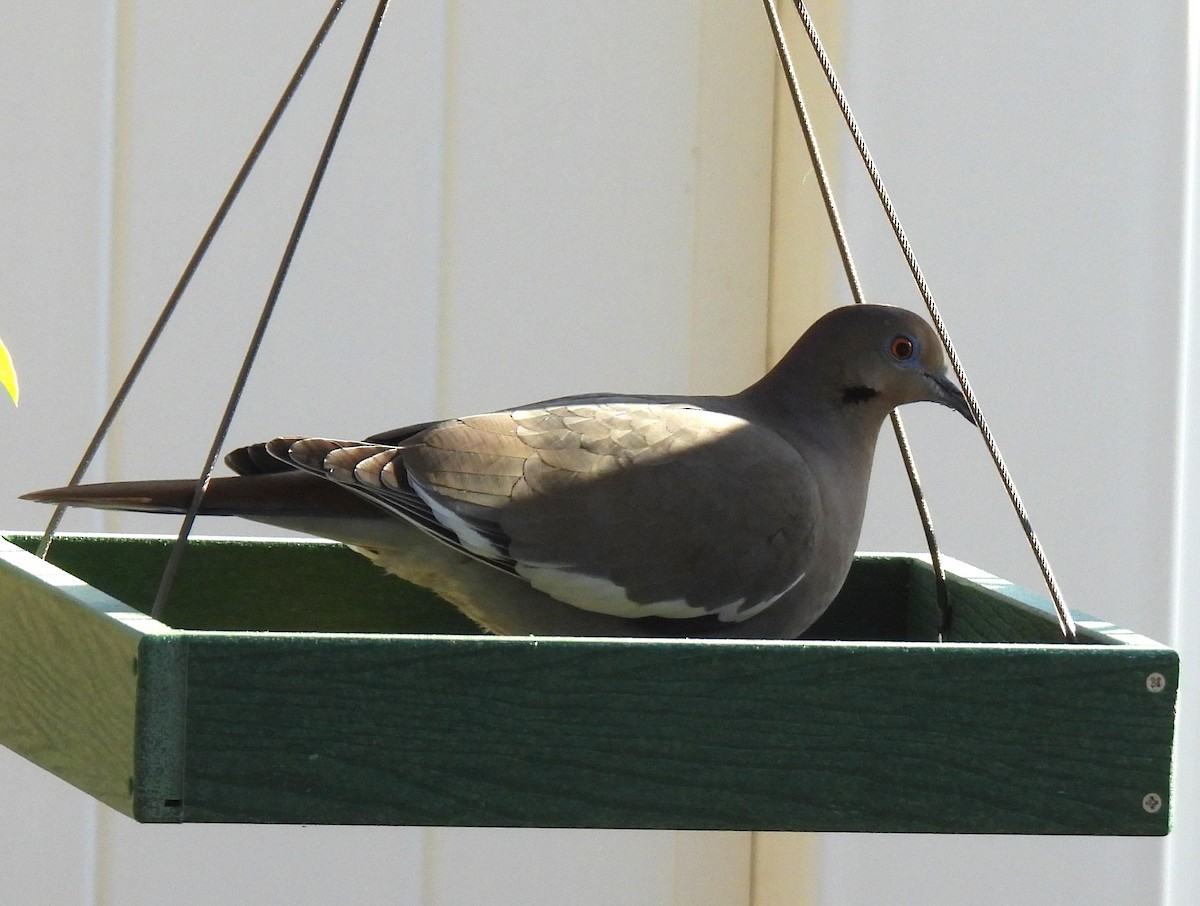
[
  {"x": 161, "y": 727},
  {"x": 67, "y": 682},
  {"x": 926, "y": 738},
  {"x": 340, "y": 723},
  {"x": 988, "y": 609},
  {"x": 875, "y": 603},
  {"x": 312, "y": 586}
]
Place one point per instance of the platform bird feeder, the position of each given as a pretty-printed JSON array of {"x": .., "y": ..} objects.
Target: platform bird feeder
[{"x": 292, "y": 682}]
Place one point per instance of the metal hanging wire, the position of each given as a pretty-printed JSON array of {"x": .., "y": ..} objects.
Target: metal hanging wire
[
  {"x": 189, "y": 271},
  {"x": 856, "y": 290},
  {"x": 1065, "y": 620},
  {"x": 171, "y": 570},
  {"x": 235, "y": 396}
]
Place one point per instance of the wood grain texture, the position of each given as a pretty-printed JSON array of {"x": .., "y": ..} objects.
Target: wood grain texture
[
  {"x": 450, "y": 729},
  {"x": 314, "y": 586},
  {"x": 160, "y": 728},
  {"x": 986, "y": 608},
  {"x": 67, "y": 674},
  {"x": 687, "y": 735}
]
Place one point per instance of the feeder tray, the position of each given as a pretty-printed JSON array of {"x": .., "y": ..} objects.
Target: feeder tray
[
  {"x": 348, "y": 697},
  {"x": 292, "y": 682}
]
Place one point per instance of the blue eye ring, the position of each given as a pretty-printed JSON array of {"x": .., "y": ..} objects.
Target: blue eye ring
[{"x": 902, "y": 347}]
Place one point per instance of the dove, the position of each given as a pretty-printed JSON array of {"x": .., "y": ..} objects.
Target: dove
[{"x": 608, "y": 514}]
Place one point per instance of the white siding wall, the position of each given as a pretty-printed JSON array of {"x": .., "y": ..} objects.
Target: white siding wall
[
  {"x": 534, "y": 199},
  {"x": 1183, "y": 870},
  {"x": 1035, "y": 153},
  {"x": 528, "y": 200}
]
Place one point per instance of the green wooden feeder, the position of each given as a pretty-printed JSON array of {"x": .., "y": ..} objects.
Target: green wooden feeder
[
  {"x": 292, "y": 682},
  {"x": 348, "y": 697}
]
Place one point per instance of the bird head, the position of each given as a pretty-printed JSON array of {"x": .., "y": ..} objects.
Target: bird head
[
  {"x": 868, "y": 359},
  {"x": 899, "y": 359}
]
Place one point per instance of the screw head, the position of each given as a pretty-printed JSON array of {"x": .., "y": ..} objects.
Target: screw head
[
  {"x": 1152, "y": 803},
  {"x": 1156, "y": 682}
]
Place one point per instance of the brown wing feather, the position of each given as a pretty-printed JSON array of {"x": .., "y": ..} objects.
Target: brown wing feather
[
  {"x": 639, "y": 495},
  {"x": 602, "y": 493}
]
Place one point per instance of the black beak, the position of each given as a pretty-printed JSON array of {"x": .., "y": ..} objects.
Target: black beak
[{"x": 950, "y": 396}]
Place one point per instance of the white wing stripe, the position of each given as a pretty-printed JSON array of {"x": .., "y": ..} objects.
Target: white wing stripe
[{"x": 471, "y": 539}]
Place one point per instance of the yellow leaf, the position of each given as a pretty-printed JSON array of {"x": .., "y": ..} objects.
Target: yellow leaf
[{"x": 8, "y": 374}]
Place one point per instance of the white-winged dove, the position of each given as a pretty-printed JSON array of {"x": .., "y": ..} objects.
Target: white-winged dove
[{"x": 609, "y": 514}]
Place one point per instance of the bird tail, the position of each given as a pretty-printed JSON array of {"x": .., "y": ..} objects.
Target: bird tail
[{"x": 253, "y": 496}]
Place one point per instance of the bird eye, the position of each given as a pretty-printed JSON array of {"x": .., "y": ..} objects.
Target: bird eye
[{"x": 902, "y": 347}]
